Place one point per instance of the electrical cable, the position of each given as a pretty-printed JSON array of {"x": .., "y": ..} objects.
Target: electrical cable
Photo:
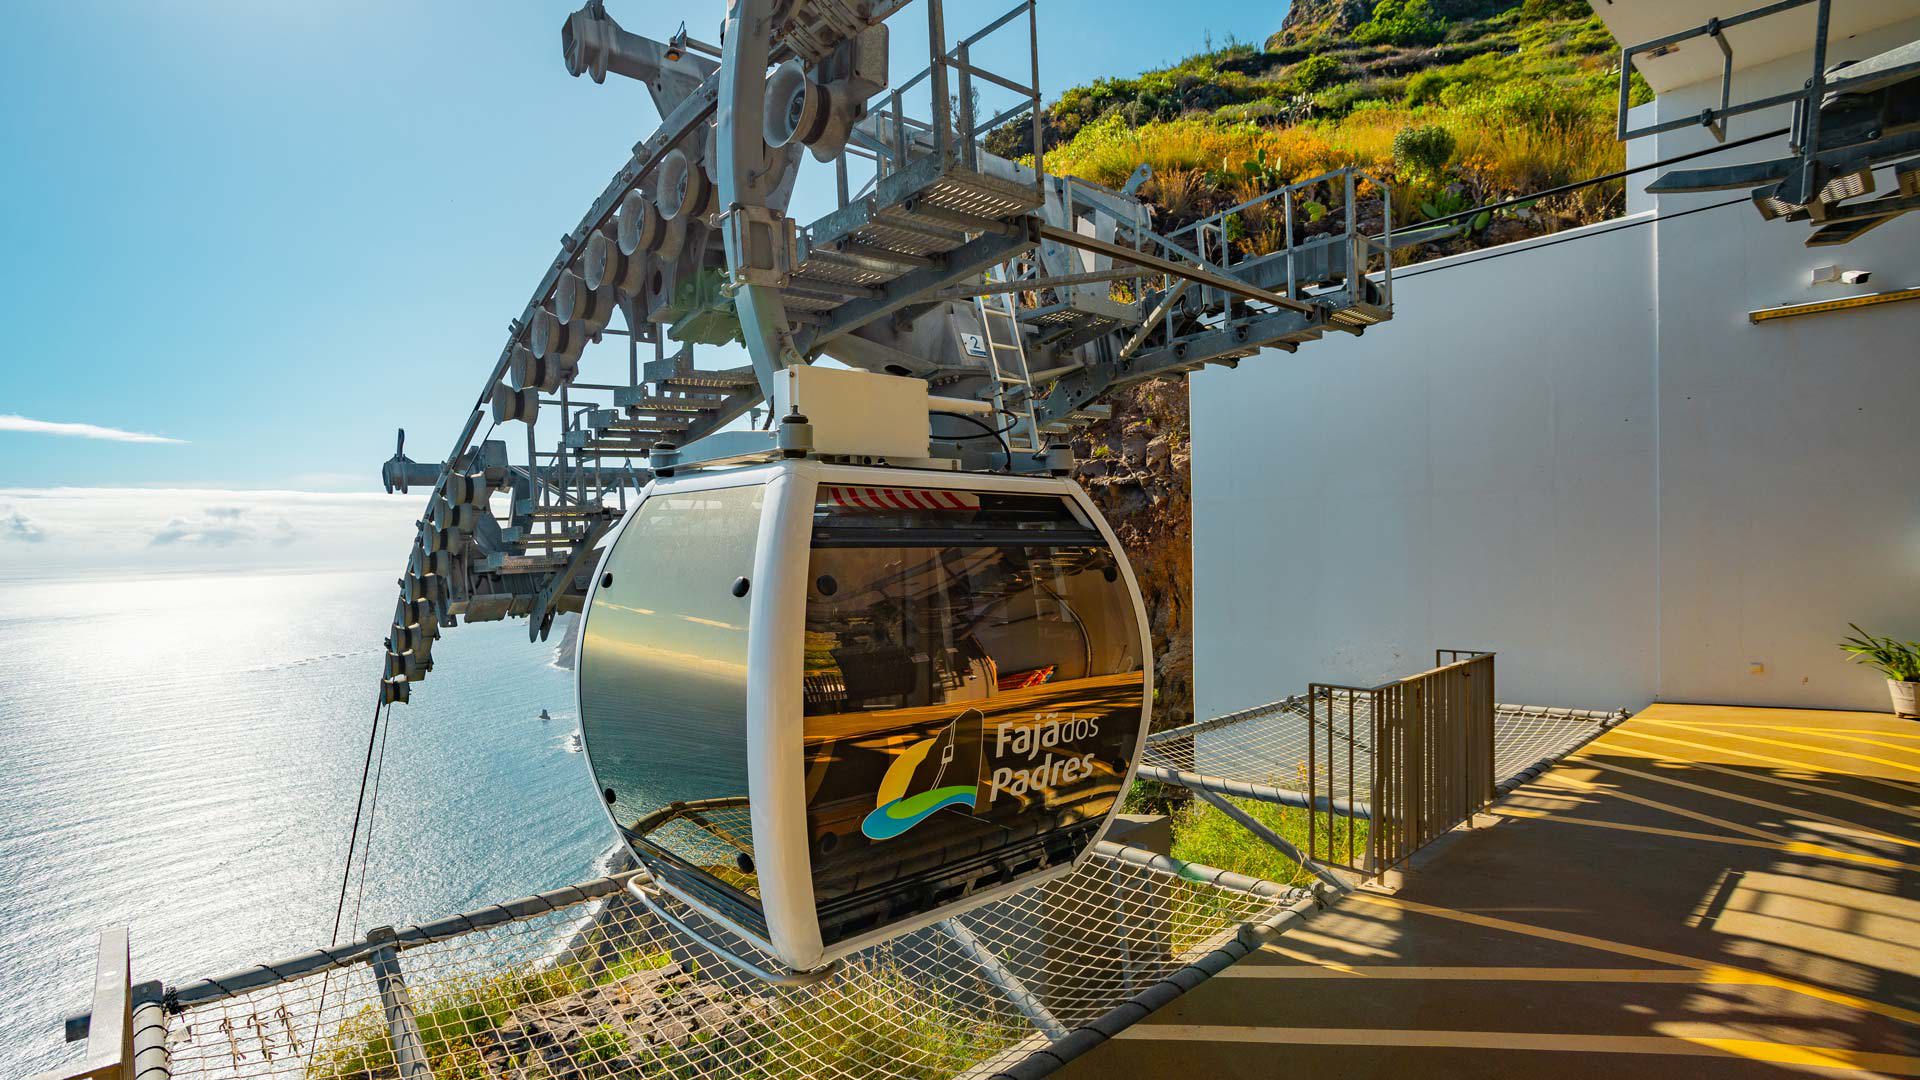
[{"x": 989, "y": 432}]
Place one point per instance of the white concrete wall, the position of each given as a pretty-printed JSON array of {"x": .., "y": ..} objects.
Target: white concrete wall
[
  {"x": 1577, "y": 451},
  {"x": 1784, "y": 513}
]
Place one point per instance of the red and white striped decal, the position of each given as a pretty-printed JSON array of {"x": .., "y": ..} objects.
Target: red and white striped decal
[{"x": 887, "y": 499}]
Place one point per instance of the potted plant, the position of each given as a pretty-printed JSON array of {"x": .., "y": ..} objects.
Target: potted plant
[{"x": 1899, "y": 661}]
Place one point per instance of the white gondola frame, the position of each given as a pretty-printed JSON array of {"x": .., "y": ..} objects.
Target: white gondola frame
[{"x": 776, "y": 721}]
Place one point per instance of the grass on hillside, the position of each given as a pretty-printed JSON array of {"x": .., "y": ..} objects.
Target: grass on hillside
[{"x": 1525, "y": 96}]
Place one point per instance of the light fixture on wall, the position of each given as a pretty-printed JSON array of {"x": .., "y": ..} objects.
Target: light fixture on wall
[
  {"x": 1869, "y": 300},
  {"x": 1835, "y": 275}
]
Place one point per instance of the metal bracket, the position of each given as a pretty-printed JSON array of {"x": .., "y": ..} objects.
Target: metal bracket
[{"x": 767, "y": 242}]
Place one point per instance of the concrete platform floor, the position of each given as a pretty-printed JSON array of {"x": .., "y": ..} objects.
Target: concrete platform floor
[{"x": 1703, "y": 892}]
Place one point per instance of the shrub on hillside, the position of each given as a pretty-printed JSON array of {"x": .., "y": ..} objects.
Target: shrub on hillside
[
  {"x": 1342, "y": 98},
  {"x": 1556, "y": 9},
  {"x": 1315, "y": 72},
  {"x": 1424, "y": 149},
  {"x": 1402, "y": 22}
]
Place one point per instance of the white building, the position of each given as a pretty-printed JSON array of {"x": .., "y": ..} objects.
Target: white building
[{"x": 1579, "y": 452}]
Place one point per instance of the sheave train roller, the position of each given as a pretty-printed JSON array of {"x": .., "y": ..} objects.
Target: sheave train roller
[{"x": 854, "y": 654}]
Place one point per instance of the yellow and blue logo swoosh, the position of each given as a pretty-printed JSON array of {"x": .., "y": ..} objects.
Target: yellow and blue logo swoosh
[{"x": 897, "y": 810}]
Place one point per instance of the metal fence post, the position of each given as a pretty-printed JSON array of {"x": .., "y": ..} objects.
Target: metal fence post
[
  {"x": 150, "y": 1058},
  {"x": 409, "y": 1053},
  {"x": 1003, "y": 977}
]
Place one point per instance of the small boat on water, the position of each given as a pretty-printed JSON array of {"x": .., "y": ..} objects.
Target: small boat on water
[
  {"x": 574, "y": 746},
  {"x": 545, "y": 715}
]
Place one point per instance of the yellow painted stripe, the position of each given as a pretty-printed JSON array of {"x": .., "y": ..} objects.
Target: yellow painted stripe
[
  {"x": 1783, "y": 843},
  {"x": 1400, "y": 973},
  {"x": 1863, "y": 831},
  {"x": 1838, "y": 732},
  {"x": 1658, "y": 956},
  {"x": 1799, "y": 766},
  {"x": 1776, "y": 781},
  {"x": 1791, "y": 847},
  {"x": 1857, "y": 736},
  {"x": 1304, "y": 958},
  {"x": 1789, "y": 744},
  {"x": 1773, "y": 1053}
]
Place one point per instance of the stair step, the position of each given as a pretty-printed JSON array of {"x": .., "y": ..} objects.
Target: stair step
[{"x": 710, "y": 380}]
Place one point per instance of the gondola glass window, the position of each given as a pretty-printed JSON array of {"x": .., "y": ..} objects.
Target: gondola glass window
[
  {"x": 973, "y": 694},
  {"x": 663, "y": 689}
]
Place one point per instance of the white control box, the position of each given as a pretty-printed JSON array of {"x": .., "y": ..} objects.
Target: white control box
[{"x": 857, "y": 412}]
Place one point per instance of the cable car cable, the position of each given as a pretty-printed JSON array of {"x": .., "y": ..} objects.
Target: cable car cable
[
  {"x": 353, "y": 834},
  {"x": 373, "y": 809},
  {"x": 346, "y": 872},
  {"x": 1601, "y": 179},
  {"x": 1489, "y": 254}
]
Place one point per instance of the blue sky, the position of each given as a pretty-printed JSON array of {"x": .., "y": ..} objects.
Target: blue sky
[{"x": 275, "y": 232}]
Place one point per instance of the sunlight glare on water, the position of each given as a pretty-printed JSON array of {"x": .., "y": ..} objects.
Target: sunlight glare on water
[{"x": 181, "y": 755}]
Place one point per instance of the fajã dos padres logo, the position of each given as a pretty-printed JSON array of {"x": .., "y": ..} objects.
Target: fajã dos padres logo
[
  {"x": 1032, "y": 760},
  {"x": 925, "y": 779}
]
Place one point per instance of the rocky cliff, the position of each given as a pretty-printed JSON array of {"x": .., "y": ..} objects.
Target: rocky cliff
[{"x": 1136, "y": 467}]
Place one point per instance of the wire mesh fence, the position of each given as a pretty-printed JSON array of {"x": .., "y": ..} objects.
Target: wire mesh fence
[
  {"x": 585, "y": 984},
  {"x": 1273, "y": 746}
]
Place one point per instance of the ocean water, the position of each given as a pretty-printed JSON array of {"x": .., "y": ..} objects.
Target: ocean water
[{"x": 180, "y": 754}]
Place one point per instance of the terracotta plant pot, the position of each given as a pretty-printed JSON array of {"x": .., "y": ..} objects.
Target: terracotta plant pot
[{"x": 1906, "y": 698}]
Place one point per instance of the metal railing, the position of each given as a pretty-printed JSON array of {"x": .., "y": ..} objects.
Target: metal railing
[
  {"x": 1213, "y": 241},
  {"x": 1427, "y": 743},
  {"x": 891, "y": 136}
]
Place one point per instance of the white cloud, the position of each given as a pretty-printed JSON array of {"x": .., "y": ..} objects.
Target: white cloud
[
  {"x": 158, "y": 529},
  {"x": 15, "y": 525},
  {"x": 11, "y": 422},
  {"x": 202, "y": 531}
]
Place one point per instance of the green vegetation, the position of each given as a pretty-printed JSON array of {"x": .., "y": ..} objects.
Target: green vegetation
[
  {"x": 1423, "y": 150},
  {"x": 1202, "y": 834},
  {"x": 1315, "y": 72},
  {"x": 451, "y": 1015},
  {"x": 632, "y": 963},
  {"x": 603, "y": 1044},
  {"x": 1897, "y": 660},
  {"x": 1443, "y": 101},
  {"x": 877, "y": 1017},
  {"x": 1402, "y": 22},
  {"x": 878, "y": 1021}
]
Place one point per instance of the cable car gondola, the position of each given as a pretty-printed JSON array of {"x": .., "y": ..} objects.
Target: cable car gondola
[{"x": 825, "y": 704}]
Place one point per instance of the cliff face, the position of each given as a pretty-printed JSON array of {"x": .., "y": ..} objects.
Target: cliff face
[
  {"x": 1306, "y": 18},
  {"x": 1136, "y": 468}
]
